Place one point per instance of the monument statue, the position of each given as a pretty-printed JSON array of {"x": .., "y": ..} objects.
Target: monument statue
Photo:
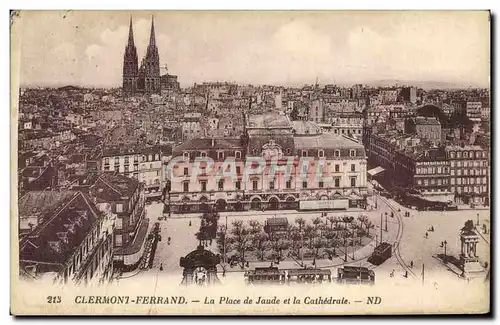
[{"x": 469, "y": 261}]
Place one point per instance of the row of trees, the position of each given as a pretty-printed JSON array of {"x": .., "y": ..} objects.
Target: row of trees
[{"x": 302, "y": 240}]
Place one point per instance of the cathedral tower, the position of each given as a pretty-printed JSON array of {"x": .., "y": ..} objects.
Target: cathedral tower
[
  {"x": 130, "y": 64},
  {"x": 149, "y": 73}
]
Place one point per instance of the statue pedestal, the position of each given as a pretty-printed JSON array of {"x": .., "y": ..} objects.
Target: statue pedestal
[{"x": 471, "y": 268}]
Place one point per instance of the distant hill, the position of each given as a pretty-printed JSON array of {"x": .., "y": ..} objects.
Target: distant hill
[{"x": 69, "y": 88}]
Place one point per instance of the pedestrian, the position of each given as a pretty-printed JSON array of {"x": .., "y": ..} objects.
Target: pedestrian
[
  {"x": 223, "y": 272},
  {"x": 161, "y": 266},
  {"x": 189, "y": 223},
  {"x": 406, "y": 274},
  {"x": 426, "y": 235},
  {"x": 411, "y": 264}
]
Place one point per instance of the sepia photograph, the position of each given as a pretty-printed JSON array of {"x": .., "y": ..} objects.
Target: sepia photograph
[{"x": 250, "y": 162}]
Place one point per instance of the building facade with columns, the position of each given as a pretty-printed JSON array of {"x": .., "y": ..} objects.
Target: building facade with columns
[{"x": 274, "y": 165}]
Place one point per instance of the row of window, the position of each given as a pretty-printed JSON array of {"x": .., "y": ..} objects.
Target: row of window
[
  {"x": 467, "y": 172},
  {"x": 468, "y": 154},
  {"x": 476, "y": 163},
  {"x": 220, "y": 154},
  {"x": 467, "y": 180},
  {"x": 433, "y": 170},
  {"x": 238, "y": 169},
  {"x": 348, "y": 131},
  {"x": 336, "y": 153},
  {"x": 127, "y": 159},
  {"x": 255, "y": 184},
  {"x": 129, "y": 169},
  {"x": 469, "y": 189},
  {"x": 432, "y": 181}
]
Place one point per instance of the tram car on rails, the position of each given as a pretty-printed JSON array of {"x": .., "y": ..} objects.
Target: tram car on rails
[
  {"x": 355, "y": 275},
  {"x": 309, "y": 276},
  {"x": 380, "y": 254},
  {"x": 274, "y": 275}
]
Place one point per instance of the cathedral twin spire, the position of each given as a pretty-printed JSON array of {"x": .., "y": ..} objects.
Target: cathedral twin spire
[{"x": 147, "y": 77}]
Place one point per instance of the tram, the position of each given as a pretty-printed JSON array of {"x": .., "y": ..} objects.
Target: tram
[
  {"x": 355, "y": 275},
  {"x": 380, "y": 254},
  {"x": 274, "y": 275},
  {"x": 309, "y": 276},
  {"x": 265, "y": 275}
]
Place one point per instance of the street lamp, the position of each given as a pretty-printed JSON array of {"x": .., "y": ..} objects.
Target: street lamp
[
  {"x": 443, "y": 244},
  {"x": 353, "y": 240},
  {"x": 386, "y": 221},
  {"x": 477, "y": 224}
]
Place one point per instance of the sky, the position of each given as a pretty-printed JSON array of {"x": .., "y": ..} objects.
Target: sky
[{"x": 85, "y": 48}]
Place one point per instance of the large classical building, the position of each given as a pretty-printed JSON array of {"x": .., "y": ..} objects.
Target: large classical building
[
  {"x": 275, "y": 165},
  {"x": 146, "y": 77}
]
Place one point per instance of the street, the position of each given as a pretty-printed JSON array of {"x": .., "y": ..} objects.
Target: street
[{"x": 408, "y": 239}]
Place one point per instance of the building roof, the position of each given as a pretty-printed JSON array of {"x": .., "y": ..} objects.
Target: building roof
[
  {"x": 465, "y": 147},
  {"x": 268, "y": 120},
  {"x": 424, "y": 120},
  {"x": 62, "y": 230},
  {"x": 120, "y": 150},
  {"x": 325, "y": 141},
  {"x": 42, "y": 201},
  {"x": 113, "y": 187},
  {"x": 206, "y": 144},
  {"x": 305, "y": 127}
]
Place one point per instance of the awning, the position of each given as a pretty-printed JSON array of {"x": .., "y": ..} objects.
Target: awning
[{"x": 375, "y": 171}]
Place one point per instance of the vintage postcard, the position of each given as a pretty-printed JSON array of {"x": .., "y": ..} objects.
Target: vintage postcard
[{"x": 250, "y": 162}]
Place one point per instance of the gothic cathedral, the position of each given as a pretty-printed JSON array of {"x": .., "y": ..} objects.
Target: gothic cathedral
[{"x": 146, "y": 78}]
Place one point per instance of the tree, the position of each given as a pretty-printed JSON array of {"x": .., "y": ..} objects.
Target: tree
[
  {"x": 241, "y": 236},
  {"x": 259, "y": 241},
  {"x": 332, "y": 220},
  {"x": 336, "y": 221},
  {"x": 369, "y": 225},
  {"x": 279, "y": 245},
  {"x": 316, "y": 222},
  {"x": 317, "y": 244},
  {"x": 301, "y": 222},
  {"x": 255, "y": 226},
  {"x": 309, "y": 234},
  {"x": 362, "y": 220},
  {"x": 296, "y": 237},
  {"x": 223, "y": 241},
  {"x": 209, "y": 220}
]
